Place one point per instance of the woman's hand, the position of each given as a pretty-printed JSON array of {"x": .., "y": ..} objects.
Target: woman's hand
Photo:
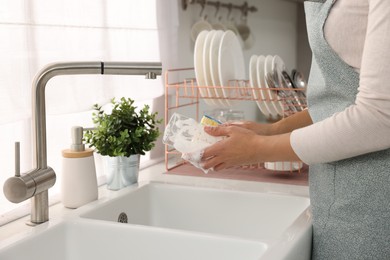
[
  {"x": 235, "y": 149},
  {"x": 286, "y": 125},
  {"x": 244, "y": 147}
]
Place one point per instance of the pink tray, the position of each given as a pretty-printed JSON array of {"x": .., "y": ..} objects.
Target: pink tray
[{"x": 248, "y": 174}]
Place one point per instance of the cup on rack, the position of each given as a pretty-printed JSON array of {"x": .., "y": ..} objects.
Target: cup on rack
[
  {"x": 231, "y": 25},
  {"x": 226, "y": 115},
  {"x": 233, "y": 115},
  {"x": 218, "y": 25},
  {"x": 283, "y": 166},
  {"x": 200, "y": 26},
  {"x": 245, "y": 34}
]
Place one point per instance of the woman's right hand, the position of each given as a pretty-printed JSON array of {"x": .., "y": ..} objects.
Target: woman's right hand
[{"x": 286, "y": 125}]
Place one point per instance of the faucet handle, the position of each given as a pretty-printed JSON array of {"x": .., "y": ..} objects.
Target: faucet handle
[
  {"x": 18, "y": 188},
  {"x": 17, "y": 159}
]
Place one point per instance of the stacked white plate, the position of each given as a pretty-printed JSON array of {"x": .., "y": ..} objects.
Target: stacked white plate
[
  {"x": 266, "y": 98},
  {"x": 218, "y": 59}
]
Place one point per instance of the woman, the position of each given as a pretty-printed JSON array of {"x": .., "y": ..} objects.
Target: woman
[{"x": 344, "y": 135}]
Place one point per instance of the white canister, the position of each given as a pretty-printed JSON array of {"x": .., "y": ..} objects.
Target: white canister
[{"x": 78, "y": 182}]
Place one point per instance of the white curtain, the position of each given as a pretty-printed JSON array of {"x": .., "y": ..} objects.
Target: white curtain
[{"x": 34, "y": 33}]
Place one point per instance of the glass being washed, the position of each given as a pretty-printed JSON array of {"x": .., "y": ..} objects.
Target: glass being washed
[{"x": 187, "y": 136}]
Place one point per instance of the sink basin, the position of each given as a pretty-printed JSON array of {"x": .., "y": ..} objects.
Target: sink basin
[
  {"x": 80, "y": 240},
  {"x": 166, "y": 221},
  {"x": 273, "y": 219}
]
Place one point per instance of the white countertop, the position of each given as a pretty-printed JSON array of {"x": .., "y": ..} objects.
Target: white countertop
[{"x": 17, "y": 229}]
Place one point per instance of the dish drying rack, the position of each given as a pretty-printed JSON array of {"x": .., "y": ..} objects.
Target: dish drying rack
[{"x": 181, "y": 90}]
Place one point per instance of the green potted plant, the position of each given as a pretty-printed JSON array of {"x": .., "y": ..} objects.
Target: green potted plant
[{"x": 121, "y": 137}]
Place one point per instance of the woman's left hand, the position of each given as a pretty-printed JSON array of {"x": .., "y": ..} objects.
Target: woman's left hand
[{"x": 239, "y": 147}]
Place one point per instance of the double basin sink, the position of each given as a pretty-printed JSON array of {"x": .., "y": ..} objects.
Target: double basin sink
[{"x": 168, "y": 221}]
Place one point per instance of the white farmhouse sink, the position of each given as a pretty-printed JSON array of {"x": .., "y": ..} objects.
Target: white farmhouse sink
[
  {"x": 176, "y": 222},
  {"x": 81, "y": 240},
  {"x": 276, "y": 220}
]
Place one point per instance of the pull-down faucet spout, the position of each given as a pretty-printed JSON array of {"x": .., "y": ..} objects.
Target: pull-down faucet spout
[{"x": 35, "y": 183}]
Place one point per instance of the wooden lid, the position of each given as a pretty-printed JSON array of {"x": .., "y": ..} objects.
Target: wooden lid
[{"x": 67, "y": 153}]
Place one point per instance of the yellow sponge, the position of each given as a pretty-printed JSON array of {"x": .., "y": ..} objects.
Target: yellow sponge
[{"x": 209, "y": 121}]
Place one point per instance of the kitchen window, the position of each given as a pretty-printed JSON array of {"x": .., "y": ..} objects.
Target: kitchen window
[{"x": 35, "y": 33}]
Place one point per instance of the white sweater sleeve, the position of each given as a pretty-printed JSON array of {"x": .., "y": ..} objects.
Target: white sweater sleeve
[{"x": 363, "y": 127}]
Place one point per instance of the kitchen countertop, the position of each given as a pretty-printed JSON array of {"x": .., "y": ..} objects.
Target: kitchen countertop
[{"x": 18, "y": 229}]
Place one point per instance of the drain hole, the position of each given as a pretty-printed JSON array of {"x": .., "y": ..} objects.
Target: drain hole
[{"x": 122, "y": 218}]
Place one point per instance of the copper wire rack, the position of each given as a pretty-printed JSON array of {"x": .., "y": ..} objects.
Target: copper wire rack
[{"x": 182, "y": 90}]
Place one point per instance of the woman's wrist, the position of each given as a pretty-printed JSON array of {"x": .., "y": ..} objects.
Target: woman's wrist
[
  {"x": 290, "y": 123},
  {"x": 276, "y": 148}
]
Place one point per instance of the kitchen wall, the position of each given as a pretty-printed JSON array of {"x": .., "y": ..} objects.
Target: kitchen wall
[{"x": 277, "y": 27}]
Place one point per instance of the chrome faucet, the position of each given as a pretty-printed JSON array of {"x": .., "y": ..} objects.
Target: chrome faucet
[{"x": 34, "y": 184}]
